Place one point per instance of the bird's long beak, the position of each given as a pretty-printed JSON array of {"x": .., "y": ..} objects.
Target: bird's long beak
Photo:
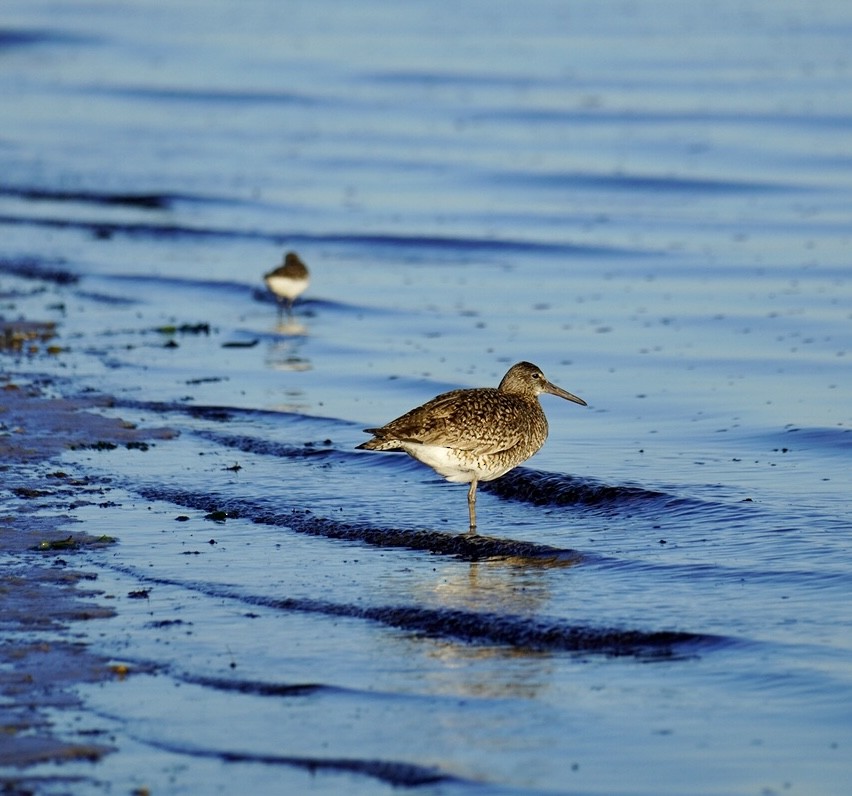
[{"x": 554, "y": 390}]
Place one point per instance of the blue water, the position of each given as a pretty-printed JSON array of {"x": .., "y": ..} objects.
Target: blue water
[{"x": 650, "y": 201}]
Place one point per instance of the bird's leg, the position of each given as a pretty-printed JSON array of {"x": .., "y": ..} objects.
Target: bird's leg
[{"x": 471, "y": 505}]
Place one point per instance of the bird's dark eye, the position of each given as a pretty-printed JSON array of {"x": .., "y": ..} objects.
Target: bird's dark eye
[{"x": 536, "y": 375}]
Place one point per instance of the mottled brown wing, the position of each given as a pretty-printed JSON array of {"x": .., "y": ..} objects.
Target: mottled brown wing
[{"x": 464, "y": 419}]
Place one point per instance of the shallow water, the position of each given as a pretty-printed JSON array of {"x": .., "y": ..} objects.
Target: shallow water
[{"x": 649, "y": 201}]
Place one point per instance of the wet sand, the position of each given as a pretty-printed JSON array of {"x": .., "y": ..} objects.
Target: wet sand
[{"x": 46, "y": 592}]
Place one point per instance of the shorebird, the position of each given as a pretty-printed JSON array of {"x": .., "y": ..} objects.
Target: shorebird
[
  {"x": 468, "y": 436},
  {"x": 288, "y": 281}
]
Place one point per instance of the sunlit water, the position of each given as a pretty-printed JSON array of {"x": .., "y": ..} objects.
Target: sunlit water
[{"x": 650, "y": 201}]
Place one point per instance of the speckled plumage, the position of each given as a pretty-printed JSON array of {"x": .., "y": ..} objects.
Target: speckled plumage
[
  {"x": 289, "y": 280},
  {"x": 475, "y": 435}
]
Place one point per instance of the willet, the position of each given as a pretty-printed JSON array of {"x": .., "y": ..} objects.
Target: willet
[
  {"x": 288, "y": 281},
  {"x": 475, "y": 435}
]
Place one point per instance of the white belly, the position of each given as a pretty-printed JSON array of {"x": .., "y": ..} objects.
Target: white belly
[
  {"x": 286, "y": 287},
  {"x": 454, "y": 465}
]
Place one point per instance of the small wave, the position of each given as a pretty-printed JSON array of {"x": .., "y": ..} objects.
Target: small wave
[
  {"x": 106, "y": 229},
  {"x": 633, "y": 117},
  {"x": 526, "y": 633},
  {"x": 211, "y": 96},
  {"x": 221, "y": 414},
  {"x": 145, "y": 201},
  {"x": 826, "y": 440},
  {"x": 33, "y": 37},
  {"x": 411, "y": 77},
  {"x": 556, "y": 489},
  {"x": 468, "y": 547},
  {"x": 254, "y": 687},
  {"x": 43, "y": 270},
  {"x": 266, "y": 447},
  {"x": 106, "y": 298},
  {"x": 643, "y": 183},
  {"x": 394, "y": 773}
]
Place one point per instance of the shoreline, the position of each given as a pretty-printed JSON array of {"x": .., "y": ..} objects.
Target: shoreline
[{"x": 46, "y": 596}]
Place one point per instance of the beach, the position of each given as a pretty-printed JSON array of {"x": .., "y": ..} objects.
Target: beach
[{"x": 207, "y": 588}]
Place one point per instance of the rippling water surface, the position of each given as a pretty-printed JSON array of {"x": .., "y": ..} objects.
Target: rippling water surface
[{"x": 650, "y": 201}]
